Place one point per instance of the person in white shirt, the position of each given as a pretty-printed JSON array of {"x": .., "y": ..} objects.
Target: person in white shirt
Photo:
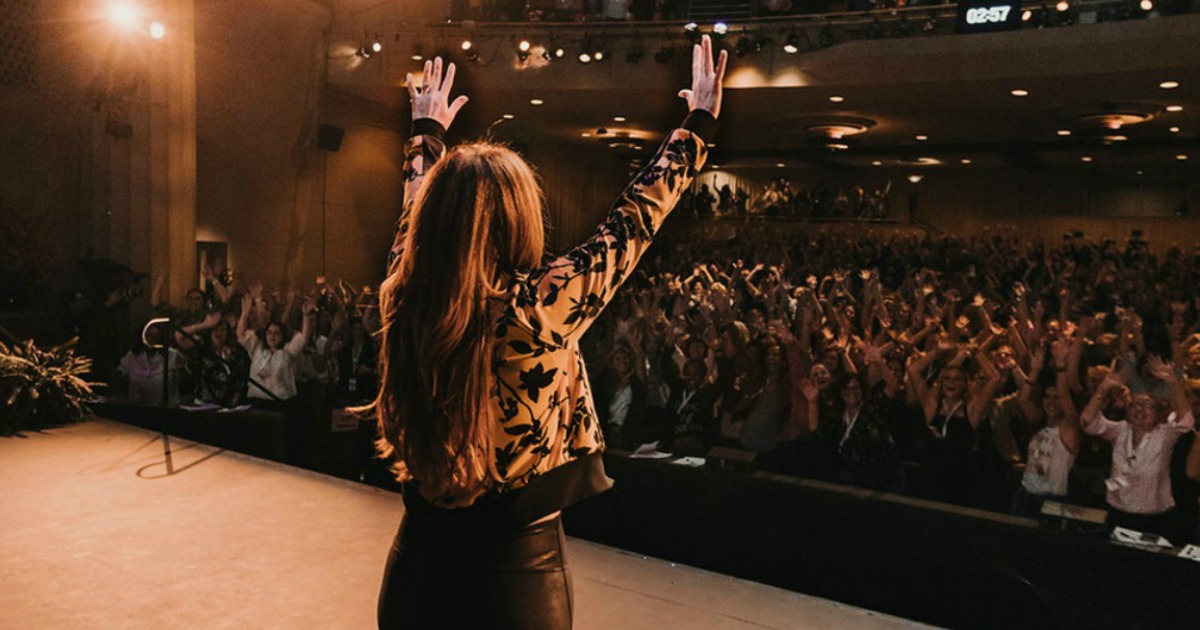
[
  {"x": 1139, "y": 486},
  {"x": 273, "y": 357}
]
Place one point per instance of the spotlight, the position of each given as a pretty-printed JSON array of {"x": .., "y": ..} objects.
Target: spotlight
[
  {"x": 1025, "y": 17},
  {"x": 123, "y": 14},
  {"x": 1062, "y": 6},
  {"x": 692, "y": 31},
  {"x": 826, "y": 38},
  {"x": 524, "y": 45},
  {"x": 376, "y": 47},
  {"x": 720, "y": 29},
  {"x": 157, "y": 30},
  {"x": 585, "y": 57},
  {"x": 792, "y": 45},
  {"x": 916, "y": 179},
  {"x": 1169, "y": 85},
  {"x": 599, "y": 55},
  {"x": 665, "y": 54},
  {"x": 1147, "y": 5},
  {"x": 1174, "y": 108},
  {"x": 467, "y": 45},
  {"x": 743, "y": 46}
]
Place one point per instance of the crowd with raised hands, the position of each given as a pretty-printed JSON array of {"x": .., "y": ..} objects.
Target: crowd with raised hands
[
  {"x": 992, "y": 371},
  {"x": 233, "y": 346}
]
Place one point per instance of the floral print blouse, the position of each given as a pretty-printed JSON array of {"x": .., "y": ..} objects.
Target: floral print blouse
[{"x": 544, "y": 403}]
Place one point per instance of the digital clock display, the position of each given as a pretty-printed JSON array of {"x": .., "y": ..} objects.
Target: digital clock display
[{"x": 983, "y": 16}]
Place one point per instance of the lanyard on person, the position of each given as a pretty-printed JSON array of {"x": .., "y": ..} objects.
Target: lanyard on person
[
  {"x": 947, "y": 414},
  {"x": 850, "y": 422},
  {"x": 686, "y": 399}
]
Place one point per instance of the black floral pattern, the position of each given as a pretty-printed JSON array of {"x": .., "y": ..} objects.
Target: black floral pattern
[{"x": 546, "y": 417}]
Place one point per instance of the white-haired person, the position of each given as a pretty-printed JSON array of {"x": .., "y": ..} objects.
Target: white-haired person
[{"x": 1139, "y": 485}]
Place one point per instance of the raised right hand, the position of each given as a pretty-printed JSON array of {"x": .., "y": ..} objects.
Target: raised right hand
[{"x": 706, "y": 80}]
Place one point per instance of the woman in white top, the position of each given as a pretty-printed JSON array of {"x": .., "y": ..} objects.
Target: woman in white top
[
  {"x": 1052, "y": 450},
  {"x": 1139, "y": 486},
  {"x": 273, "y": 357}
]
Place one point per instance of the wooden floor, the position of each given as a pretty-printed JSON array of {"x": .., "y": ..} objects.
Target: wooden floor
[{"x": 96, "y": 534}]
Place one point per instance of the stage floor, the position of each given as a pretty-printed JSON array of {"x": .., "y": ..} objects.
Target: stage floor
[{"x": 96, "y": 534}]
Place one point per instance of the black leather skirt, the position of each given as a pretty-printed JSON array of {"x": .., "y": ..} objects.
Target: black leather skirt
[{"x": 459, "y": 574}]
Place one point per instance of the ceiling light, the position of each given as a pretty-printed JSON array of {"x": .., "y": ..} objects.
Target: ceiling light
[
  {"x": 585, "y": 135},
  {"x": 1181, "y": 157},
  {"x": 1141, "y": 172},
  {"x": 1020, "y": 92},
  {"x": 619, "y": 119},
  {"x": 876, "y": 163},
  {"x": 916, "y": 179},
  {"x": 598, "y": 55},
  {"x": 1064, "y": 132},
  {"x": 1169, "y": 85},
  {"x": 508, "y": 117},
  {"x": 712, "y": 145},
  {"x": 524, "y": 45},
  {"x": 1063, "y": 5},
  {"x": 536, "y": 101},
  {"x": 1174, "y": 108},
  {"x": 692, "y": 31},
  {"x": 837, "y": 99},
  {"x": 1174, "y": 130},
  {"x": 1086, "y": 158},
  {"x": 922, "y": 138},
  {"x": 585, "y": 57},
  {"x": 467, "y": 44},
  {"x": 791, "y": 46},
  {"x": 966, "y": 161},
  {"x": 720, "y": 29},
  {"x": 417, "y": 53},
  {"x": 780, "y": 165},
  {"x": 1147, "y": 5},
  {"x": 1026, "y": 15},
  {"x": 157, "y": 30}
]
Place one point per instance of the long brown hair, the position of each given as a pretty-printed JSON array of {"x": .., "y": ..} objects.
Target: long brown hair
[{"x": 476, "y": 219}]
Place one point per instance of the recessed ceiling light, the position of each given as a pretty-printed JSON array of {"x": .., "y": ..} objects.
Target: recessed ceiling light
[
  {"x": 1174, "y": 130},
  {"x": 966, "y": 160},
  {"x": 1063, "y": 5},
  {"x": 780, "y": 165},
  {"x": 1086, "y": 158},
  {"x": 1169, "y": 85},
  {"x": 922, "y": 138},
  {"x": 1147, "y": 5},
  {"x": 1064, "y": 132},
  {"x": 508, "y": 117},
  {"x": 836, "y": 99},
  {"x": 536, "y": 101},
  {"x": 876, "y": 163},
  {"x": 1174, "y": 108},
  {"x": 1020, "y": 92},
  {"x": 1116, "y": 138},
  {"x": 1027, "y": 15},
  {"x": 712, "y": 145},
  {"x": 619, "y": 119},
  {"x": 916, "y": 179},
  {"x": 716, "y": 166},
  {"x": 585, "y": 135},
  {"x": 1181, "y": 157}
]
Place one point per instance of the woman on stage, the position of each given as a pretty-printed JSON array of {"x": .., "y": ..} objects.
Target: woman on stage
[{"x": 483, "y": 398}]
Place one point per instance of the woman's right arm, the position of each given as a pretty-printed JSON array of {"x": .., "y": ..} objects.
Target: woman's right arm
[
  {"x": 569, "y": 293},
  {"x": 432, "y": 114}
]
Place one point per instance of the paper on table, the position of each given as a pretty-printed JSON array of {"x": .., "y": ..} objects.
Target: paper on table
[
  {"x": 692, "y": 462},
  {"x": 649, "y": 450},
  {"x": 1140, "y": 539},
  {"x": 200, "y": 407},
  {"x": 1191, "y": 552}
]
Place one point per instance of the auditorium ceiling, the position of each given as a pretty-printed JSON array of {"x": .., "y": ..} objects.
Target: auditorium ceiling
[{"x": 1101, "y": 84}]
